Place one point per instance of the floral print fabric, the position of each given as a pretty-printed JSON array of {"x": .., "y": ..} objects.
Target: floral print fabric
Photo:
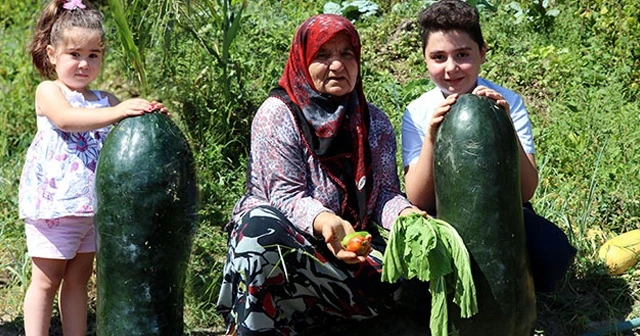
[
  {"x": 283, "y": 172},
  {"x": 336, "y": 128},
  {"x": 57, "y": 177},
  {"x": 280, "y": 281}
]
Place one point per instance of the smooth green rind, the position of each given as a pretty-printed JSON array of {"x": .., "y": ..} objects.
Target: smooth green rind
[
  {"x": 477, "y": 183},
  {"x": 146, "y": 201}
]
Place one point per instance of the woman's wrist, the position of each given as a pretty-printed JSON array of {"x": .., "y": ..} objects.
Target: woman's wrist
[{"x": 413, "y": 209}]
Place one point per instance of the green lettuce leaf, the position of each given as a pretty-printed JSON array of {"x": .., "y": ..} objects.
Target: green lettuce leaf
[{"x": 430, "y": 249}]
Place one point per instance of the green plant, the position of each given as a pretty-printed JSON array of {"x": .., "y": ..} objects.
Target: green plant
[
  {"x": 483, "y": 4},
  {"x": 539, "y": 13},
  {"x": 579, "y": 78},
  {"x": 141, "y": 24},
  {"x": 19, "y": 265},
  {"x": 352, "y": 10},
  {"x": 430, "y": 249},
  {"x": 131, "y": 49},
  {"x": 583, "y": 224},
  {"x": 226, "y": 19}
]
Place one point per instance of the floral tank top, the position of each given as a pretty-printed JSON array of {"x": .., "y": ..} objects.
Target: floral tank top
[{"x": 58, "y": 175}]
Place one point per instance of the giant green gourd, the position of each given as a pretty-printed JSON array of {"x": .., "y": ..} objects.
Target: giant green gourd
[
  {"x": 145, "y": 220},
  {"x": 477, "y": 184}
]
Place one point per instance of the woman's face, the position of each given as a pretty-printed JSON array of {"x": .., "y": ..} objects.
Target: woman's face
[
  {"x": 334, "y": 68},
  {"x": 453, "y": 60}
]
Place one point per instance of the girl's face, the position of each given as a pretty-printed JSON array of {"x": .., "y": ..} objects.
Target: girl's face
[
  {"x": 334, "y": 68},
  {"x": 453, "y": 61},
  {"x": 77, "y": 58}
]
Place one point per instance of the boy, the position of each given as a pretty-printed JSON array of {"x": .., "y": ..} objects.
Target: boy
[{"x": 454, "y": 50}]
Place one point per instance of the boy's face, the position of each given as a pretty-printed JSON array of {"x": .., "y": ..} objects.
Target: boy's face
[{"x": 453, "y": 61}]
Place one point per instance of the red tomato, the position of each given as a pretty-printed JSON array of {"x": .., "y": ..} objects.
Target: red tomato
[{"x": 358, "y": 244}]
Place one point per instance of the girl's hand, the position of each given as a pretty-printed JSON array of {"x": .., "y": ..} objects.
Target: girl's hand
[
  {"x": 333, "y": 229},
  {"x": 133, "y": 107},
  {"x": 438, "y": 116},
  {"x": 158, "y": 106},
  {"x": 489, "y": 93}
]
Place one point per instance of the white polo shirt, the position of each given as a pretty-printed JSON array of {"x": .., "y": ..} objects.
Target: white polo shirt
[{"x": 417, "y": 116}]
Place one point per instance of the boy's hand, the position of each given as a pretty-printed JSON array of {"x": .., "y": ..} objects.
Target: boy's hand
[
  {"x": 438, "y": 116},
  {"x": 489, "y": 93}
]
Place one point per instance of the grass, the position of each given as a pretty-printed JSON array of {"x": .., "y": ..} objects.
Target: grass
[{"x": 578, "y": 72}]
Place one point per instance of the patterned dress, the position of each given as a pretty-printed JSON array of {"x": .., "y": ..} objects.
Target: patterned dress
[
  {"x": 311, "y": 153},
  {"x": 57, "y": 177},
  {"x": 279, "y": 277}
]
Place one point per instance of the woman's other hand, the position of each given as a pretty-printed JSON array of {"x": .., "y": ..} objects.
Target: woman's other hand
[
  {"x": 408, "y": 211},
  {"x": 333, "y": 229}
]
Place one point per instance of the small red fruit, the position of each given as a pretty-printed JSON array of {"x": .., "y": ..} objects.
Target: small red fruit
[{"x": 357, "y": 242}]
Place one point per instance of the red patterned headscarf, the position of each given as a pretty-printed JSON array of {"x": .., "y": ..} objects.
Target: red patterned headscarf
[
  {"x": 310, "y": 36},
  {"x": 325, "y": 114}
]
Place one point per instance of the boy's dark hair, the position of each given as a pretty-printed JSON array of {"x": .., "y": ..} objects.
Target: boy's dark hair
[{"x": 448, "y": 15}]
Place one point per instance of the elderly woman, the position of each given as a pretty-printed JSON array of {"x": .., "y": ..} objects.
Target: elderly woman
[{"x": 322, "y": 165}]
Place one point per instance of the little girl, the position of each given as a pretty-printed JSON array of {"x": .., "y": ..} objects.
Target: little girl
[{"x": 56, "y": 186}]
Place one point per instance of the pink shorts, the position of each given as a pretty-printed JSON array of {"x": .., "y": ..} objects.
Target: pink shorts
[{"x": 60, "y": 238}]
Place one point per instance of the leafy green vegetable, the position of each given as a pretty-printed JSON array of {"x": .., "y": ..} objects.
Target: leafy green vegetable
[
  {"x": 430, "y": 249},
  {"x": 352, "y": 10}
]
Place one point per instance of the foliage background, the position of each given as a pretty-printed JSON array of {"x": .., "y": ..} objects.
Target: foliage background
[{"x": 576, "y": 63}]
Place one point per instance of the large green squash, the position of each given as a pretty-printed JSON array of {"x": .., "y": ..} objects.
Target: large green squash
[
  {"x": 477, "y": 184},
  {"x": 145, "y": 220}
]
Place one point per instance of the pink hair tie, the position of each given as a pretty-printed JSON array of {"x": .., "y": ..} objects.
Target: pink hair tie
[{"x": 74, "y": 4}]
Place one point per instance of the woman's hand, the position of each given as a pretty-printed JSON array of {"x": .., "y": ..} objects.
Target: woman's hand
[
  {"x": 489, "y": 93},
  {"x": 410, "y": 210},
  {"x": 333, "y": 229},
  {"x": 438, "y": 116}
]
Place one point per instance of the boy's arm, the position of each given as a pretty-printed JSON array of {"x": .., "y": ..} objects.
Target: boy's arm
[
  {"x": 418, "y": 179},
  {"x": 418, "y": 175},
  {"x": 419, "y": 183},
  {"x": 528, "y": 170},
  {"x": 528, "y": 174}
]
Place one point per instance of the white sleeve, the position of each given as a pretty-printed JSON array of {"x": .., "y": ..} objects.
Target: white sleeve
[
  {"x": 518, "y": 112},
  {"x": 415, "y": 124},
  {"x": 522, "y": 124},
  {"x": 412, "y": 138}
]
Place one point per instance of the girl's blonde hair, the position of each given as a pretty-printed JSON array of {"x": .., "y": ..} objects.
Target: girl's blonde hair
[{"x": 50, "y": 28}]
